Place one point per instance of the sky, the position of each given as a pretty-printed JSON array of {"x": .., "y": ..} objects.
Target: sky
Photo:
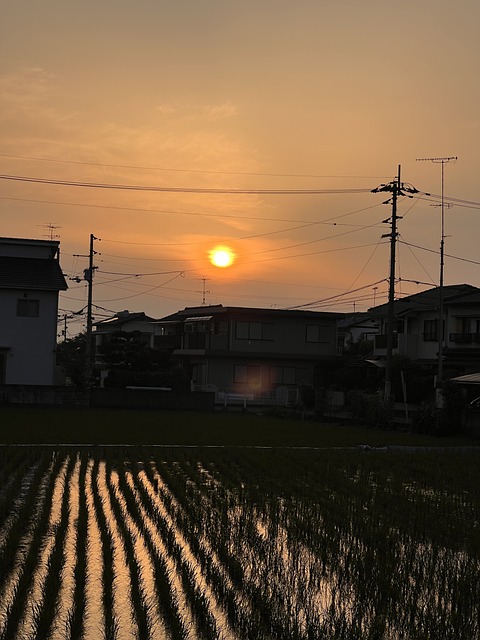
[{"x": 258, "y": 126}]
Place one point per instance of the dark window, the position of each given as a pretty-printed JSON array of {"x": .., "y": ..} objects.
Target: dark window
[
  {"x": 430, "y": 330},
  {"x": 282, "y": 375},
  {"x": 219, "y": 327},
  {"x": 313, "y": 333},
  {"x": 253, "y": 330},
  {"x": 246, "y": 373},
  {"x": 3, "y": 365},
  {"x": 28, "y": 308}
]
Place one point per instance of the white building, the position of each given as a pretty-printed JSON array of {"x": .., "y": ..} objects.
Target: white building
[{"x": 30, "y": 279}]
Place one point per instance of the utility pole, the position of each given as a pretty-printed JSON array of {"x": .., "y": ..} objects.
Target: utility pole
[
  {"x": 88, "y": 276},
  {"x": 396, "y": 188},
  {"x": 441, "y": 329}
]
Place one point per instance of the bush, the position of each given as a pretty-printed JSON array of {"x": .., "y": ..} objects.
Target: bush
[
  {"x": 425, "y": 419},
  {"x": 447, "y": 421},
  {"x": 369, "y": 409}
]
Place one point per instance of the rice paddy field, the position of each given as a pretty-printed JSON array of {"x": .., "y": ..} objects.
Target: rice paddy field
[{"x": 238, "y": 542}]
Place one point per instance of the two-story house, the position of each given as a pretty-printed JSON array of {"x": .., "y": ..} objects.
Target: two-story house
[
  {"x": 30, "y": 280},
  {"x": 417, "y": 327},
  {"x": 256, "y": 352},
  {"x": 124, "y": 322}
]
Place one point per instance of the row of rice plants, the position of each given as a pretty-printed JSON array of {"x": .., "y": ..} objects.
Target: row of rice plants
[
  {"x": 240, "y": 544},
  {"x": 35, "y": 530},
  {"x": 200, "y": 604}
]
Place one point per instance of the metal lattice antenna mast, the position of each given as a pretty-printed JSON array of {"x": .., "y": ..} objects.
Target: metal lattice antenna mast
[
  {"x": 441, "y": 331},
  {"x": 204, "y": 290}
]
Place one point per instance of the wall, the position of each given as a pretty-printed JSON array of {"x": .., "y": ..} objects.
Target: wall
[
  {"x": 31, "y": 342},
  {"x": 288, "y": 336},
  {"x": 153, "y": 399}
]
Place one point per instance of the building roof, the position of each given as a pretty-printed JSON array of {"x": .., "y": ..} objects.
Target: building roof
[
  {"x": 121, "y": 318},
  {"x": 469, "y": 378},
  {"x": 217, "y": 311},
  {"x": 37, "y": 274},
  {"x": 430, "y": 299}
]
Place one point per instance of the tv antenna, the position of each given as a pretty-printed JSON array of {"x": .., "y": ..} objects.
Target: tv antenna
[
  {"x": 204, "y": 290},
  {"x": 441, "y": 337},
  {"x": 51, "y": 226}
]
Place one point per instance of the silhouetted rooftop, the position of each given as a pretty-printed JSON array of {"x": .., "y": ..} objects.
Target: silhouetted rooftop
[{"x": 31, "y": 273}]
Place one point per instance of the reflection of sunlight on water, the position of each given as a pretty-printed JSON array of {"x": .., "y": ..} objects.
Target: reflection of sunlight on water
[
  {"x": 35, "y": 595},
  {"x": 95, "y": 619},
  {"x": 143, "y": 558},
  {"x": 218, "y": 613},
  {"x": 23, "y": 544},
  {"x": 122, "y": 603},
  {"x": 310, "y": 567},
  {"x": 65, "y": 599},
  {"x": 175, "y": 581}
]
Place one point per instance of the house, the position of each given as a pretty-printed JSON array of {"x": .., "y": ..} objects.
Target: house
[
  {"x": 250, "y": 352},
  {"x": 30, "y": 280},
  {"x": 416, "y": 328},
  {"x": 124, "y": 322},
  {"x": 357, "y": 329}
]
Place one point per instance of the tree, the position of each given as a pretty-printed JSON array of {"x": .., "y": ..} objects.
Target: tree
[{"x": 71, "y": 356}]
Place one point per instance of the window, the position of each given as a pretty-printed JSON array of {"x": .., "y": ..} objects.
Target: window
[
  {"x": 3, "y": 365},
  {"x": 253, "y": 331},
  {"x": 282, "y": 375},
  {"x": 28, "y": 308},
  {"x": 430, "y": 330},
  {"x": 247, "y": 374},
  {"x": 313, "y": 333},
  {"x": 219, "y": 327}
]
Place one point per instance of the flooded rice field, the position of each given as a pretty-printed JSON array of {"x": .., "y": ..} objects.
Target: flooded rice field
[{"x": 238, "y": 544}]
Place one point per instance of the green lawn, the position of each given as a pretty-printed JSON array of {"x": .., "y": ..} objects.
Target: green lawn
[{"x": 21, "y": 425}]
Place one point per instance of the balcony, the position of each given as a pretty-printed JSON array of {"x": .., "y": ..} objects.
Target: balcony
[{"x": 465, "y": 338}]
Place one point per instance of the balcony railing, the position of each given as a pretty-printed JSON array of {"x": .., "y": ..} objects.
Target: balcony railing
[{"x": 465, "y": 338}]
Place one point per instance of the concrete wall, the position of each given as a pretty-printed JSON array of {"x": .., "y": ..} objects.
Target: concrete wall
[
  {"x": 153, "y": 399},
  {"x": 42, "y": 395},
  {"x": 29, "y": 342}
]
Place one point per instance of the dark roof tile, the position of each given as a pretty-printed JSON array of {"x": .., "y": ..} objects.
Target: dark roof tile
[{"x": 40, "y": 274}]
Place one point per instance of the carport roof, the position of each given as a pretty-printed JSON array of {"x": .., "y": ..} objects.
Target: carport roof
[{"x": 469, "y": 378}]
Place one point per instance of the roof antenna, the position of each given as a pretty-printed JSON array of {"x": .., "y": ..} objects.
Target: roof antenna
[
  {"x": 51, "y": 226},
  {"x": 204, "y": 291}
]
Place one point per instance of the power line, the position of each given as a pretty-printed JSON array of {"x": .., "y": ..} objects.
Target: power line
[
  {"x": 232, "y": 173},
  {"x": 127, "y": 187},
  {"x": 447, "y": 255},
  {"x": 139, "y": 209},
  {"x": 340, "y": 295}
]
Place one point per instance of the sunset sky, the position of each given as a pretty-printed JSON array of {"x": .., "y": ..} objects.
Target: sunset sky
[{"x": 271, "y": 95}]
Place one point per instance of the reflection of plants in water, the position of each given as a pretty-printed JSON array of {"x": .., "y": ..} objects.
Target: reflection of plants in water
[{"x": 243, "y": 543}]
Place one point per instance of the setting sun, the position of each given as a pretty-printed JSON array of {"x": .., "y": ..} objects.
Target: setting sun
[{"x": 222, "y": 257}]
